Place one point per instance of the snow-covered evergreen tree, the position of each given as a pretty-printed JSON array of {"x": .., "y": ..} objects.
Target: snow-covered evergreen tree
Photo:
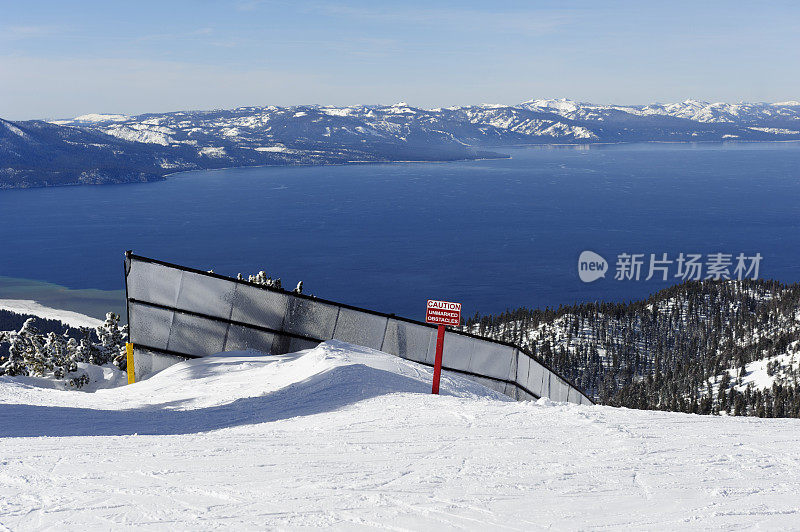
[
  {"x": 112, "y": 340},
  {"x": 262, "y": 279},
  {"x": 20, "y": 350},
  {"x": 87, "y": 350},
  {"x": 32, "y": 353}
]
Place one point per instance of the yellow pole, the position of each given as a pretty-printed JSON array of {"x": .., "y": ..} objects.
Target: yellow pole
[{"x": 129, "y": 352}]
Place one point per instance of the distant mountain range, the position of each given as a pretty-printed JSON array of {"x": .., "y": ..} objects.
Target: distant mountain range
[{"x": 104, "y": 148}]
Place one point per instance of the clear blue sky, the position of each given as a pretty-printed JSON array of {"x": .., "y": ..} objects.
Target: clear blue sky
[{"x": 62, "y": 59}]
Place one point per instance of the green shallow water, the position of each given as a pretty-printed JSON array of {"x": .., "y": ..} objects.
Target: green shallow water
[{"x": 92, "y": 302}]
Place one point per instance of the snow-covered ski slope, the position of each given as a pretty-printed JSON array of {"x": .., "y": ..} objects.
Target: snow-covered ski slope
[{"x": 346, "y": 437}]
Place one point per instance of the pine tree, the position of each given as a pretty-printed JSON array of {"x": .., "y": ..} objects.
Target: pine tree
[
  {"x": 51, "y": 355},
  {"x": 87, "y": 351},
  {"x": 21, "y": 350},
  {"x": 112, "y": 339}
]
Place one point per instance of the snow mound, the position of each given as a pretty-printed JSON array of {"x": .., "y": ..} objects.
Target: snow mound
[
  {"x": 222, "y": 391},
  {"x": 332, "y": 372}
]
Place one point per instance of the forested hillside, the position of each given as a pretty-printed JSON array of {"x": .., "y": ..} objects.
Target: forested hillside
[{"x": 704, "y": 347}]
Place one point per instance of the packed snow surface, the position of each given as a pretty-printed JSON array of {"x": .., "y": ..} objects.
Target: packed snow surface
[{"x": 345, "y": 437}]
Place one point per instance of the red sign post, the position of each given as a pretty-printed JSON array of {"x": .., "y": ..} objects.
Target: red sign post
[{"x": 441, "y": 313}]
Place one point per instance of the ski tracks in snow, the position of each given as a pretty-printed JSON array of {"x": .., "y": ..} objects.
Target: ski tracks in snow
[{"x": 388, "y": 455}]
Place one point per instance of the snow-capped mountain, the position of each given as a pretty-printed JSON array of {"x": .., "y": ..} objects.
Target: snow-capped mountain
[
  {"x": 312, "y": 134},
  {"x": 36, "y": 153},
  {"x": 785, "y": 113},
  {"x": 534, "y": 121}
]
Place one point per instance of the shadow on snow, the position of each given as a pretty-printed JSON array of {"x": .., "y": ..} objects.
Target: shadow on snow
[{"x": 328, "y": 391}]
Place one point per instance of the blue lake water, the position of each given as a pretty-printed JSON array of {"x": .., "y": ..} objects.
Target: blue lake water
[{"x": 492, "y": 234}]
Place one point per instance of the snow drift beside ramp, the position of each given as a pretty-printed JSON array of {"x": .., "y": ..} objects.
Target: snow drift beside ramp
[
  {"x": 177, "y": 312},
  {"x": 222, "y": 391}
]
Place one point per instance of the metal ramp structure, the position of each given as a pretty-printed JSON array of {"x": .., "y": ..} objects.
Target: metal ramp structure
[{"x": 175, "y": 313}]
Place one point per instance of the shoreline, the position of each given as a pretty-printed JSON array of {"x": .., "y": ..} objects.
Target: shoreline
[
  {"x": 347, "y": 163},
  {"x": 92, "y": 303},
  {"x": 500, "y": 156},
  {"x": 68, "y": 317}
]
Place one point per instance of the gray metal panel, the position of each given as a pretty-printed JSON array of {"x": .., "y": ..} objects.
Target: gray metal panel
[
  {"x": 560, "y": 391},
  {"x": 146, "y": 362},
  {"x": 537, "y": 375},
  {"x": 492, "y": 360},
  {"x": 281, "y": 345},
  {"x": 430, "y": 354},
  {"x": 311, "y": 318},
  {"x": 457, "y": 351},
  {"x": 206, "y": 295},
  {"x": 149, "y": 325},
  {"x": 511, "y": 390},
  {"x": 298, "y": 344},
  {"x": 556, "y": 389},
  {"x": 243, "y": 338},
  {"x": 408, "y": 340},
  {"x": 574, "y": 396},
  {"x": 153, "y": 283},
  {"x": 488, "y": 383},
  {"x": 523, "y": 367},
  {"x": 512, "y": 374},
  {"x": 546, "y": 381},
  {"x": 196, "y": 336},
  {"x": 566, "y": 388},
  {"x": 360, "y": 328},
  {"x": 259, "y": 307},
  {"x": 522, "y": 395},
  {"x": 563, "y": 390}
]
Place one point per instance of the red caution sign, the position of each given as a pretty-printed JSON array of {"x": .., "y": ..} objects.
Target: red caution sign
[{"x": 443, "y": 313}]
